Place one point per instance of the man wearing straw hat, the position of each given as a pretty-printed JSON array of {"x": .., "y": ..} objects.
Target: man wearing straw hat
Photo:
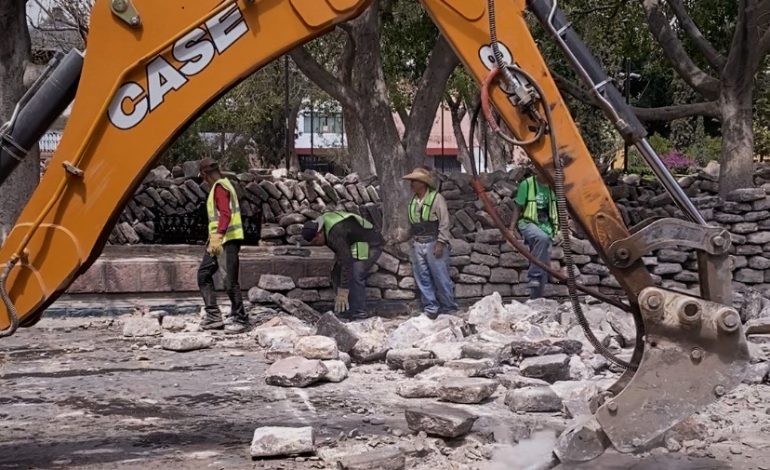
[{"x": 429, "y": 229}]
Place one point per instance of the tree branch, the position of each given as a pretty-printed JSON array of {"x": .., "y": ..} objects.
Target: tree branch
[
  {"x": 744, "y": 57},
  {"x": 325, "y": 80},
  {"x": 714, "y": 58},
  {"x": 699, "y": 80},
  {"x": 430, "y": 90},
  {"x": 664, "y": 113}
]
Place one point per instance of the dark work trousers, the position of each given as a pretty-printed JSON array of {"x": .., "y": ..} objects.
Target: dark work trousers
[
  {"x": 357, "y": 298},
  {"x": 208, "y": 267}
]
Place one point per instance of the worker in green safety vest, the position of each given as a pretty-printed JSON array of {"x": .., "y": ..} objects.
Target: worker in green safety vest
[
  {"x": 226, "y": 235},
  {"x": 357, "y": 246},
  {"x": 429, "y": 225},
  {"x": 536, "y": 220}
]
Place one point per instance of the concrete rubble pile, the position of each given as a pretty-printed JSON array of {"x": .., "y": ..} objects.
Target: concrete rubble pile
[
  {"x": 481, "y": 262},
  {"x": 454, "y": 375}
]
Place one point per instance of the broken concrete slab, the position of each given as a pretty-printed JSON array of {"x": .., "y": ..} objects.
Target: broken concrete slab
[
  {"x": 172, "y": 323},
  {"x": 581, "y": 442},
  {"x": 271, "y": 441},
  {"x": 390, "y": 458},
  {"x": 296, "y": 308},
  {"x": 331, "y": 326},
  {"x": 137, "y": 327},
  {"x": 372, "y": 340},
  {"x": 418, "y": 389},
  {"x": 579, "y": 398},
  {"x": 276, "y": 337},
  {"x": 316, "y": 347},
  {"x": 466, "y": 390},
  {"x": 533, "y": 400},
  {"x": 550, "y": 368},
  {"x": 497, "y": 352},
  {"x": 470, "y": 367},
  {"x": 396, "y": 358},
  {"x": 413, "y": 367},
  {"x": 295, "y": 372},
  {"x": 409, "y": 332},
  {"x": 275, "y": 282},
  {"x": 440, "y": 420},
  {"x": 516, "y": 380},
  {"x": 337, "y": 371},
  {"x": 184, "y": 342}
]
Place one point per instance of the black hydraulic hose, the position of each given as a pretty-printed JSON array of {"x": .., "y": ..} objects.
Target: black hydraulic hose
[{"x": 39, "y": 109}]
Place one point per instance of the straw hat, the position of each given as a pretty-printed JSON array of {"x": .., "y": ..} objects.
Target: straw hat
[{"x": 422, "y": 175}]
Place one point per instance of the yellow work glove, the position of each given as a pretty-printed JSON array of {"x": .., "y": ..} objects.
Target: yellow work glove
[
  {"x": 215, "y": 245},
  {"x": 341, "y": 303}
]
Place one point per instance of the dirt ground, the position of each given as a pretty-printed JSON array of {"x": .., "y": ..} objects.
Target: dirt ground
[{"x": 76, "y": 394}]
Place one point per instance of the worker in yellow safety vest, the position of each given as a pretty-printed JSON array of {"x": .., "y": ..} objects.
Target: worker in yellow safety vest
[
  {"x": 536, "y": 220},
  {"x": 357, "y": 245},
  {"x": 226, "y": 235}
]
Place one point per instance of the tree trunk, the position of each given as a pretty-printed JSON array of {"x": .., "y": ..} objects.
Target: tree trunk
[
  {"x": 291, "y": 132},
  {"x": 737, "y": 168},
  {"x": 14, "y": 54},
  {"x": 358, "y": 147}
]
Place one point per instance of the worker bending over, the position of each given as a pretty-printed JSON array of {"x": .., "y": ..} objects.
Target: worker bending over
[
  {"x": 357, "y": 246},
  {"x": 225, "y": 238},
  {"x": 535, "y": 218},
  {"x": 429, "y": 226}
]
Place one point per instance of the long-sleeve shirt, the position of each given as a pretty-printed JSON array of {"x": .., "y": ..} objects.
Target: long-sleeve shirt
[
  {"x": 222, "y": 203},
  {"x": 439, "y": 212},
  {"x": 341, "y": 237}
]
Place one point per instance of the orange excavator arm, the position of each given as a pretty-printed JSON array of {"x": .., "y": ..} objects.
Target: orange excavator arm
[{"x": 153, "y": 66}]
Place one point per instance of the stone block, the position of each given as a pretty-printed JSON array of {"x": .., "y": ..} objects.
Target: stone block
[
  {"x": 746, "y": 195},
  {"x": 759, "y": 238},
  {"x": 466, "y": 390},
  {"x": 304, "y": 295},
  {"x": 505, "y": 290},
  {"x": 477, "y": 270},
  {"x": 186, "y": 342},
  {"x": 470, "y": 279},
  {"x": 407, "y": 283},
  {"x": 329, "y": 325},
  {"x": 418, "y": 389},
  {"x": 459, "y": 247},
  {"x": 391, "y": 458},
  {"x": 295, "y": 372},
  {"x": 487, "y": 249},
  {"x": 489, "y": 236},
  {"x": 486, "y": 260},
  {"x": 440, "y": 420},
  {"x": 316, "y": 347},
  {"x": 337, "y": 371},
  {"x": 281, "y": 441},
  {"x": 750, "y": 276},
  {"x": 276, "y": 283},
  {"x": 460, "y": 261},
  {"x": 397, "y": 294},
  {"x": 550, "y": 368},
  {"x": 533, "y": 400},
  {"x": 389, "y": 263},
  {"x": 137, "y": 327},
  {"x": 663, "y": 269},
  {"x": 504, "y": 276},
  {"x": 513, "y": 260},
  {"x": 396, "y": 358}
]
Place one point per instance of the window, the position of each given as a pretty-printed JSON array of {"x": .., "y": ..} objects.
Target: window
[{"x": 322, "y": 123}]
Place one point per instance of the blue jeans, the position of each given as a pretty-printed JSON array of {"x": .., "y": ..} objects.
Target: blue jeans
[
  {"x": 539, "y": 244},
  {"x": 431, "y": 275}
]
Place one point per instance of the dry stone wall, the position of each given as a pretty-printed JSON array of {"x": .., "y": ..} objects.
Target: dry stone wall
[{"x": 481, "y": 262}]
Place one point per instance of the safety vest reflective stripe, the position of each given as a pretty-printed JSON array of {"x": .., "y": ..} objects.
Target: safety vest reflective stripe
[
  {"x": 530, "y": 209},
  {"x": 235, "y": 229},
  {"x": 359, "y": 250},
  {"x": 427, "y": 205}
]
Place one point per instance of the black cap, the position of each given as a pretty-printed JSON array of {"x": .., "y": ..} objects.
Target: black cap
[{"x": 310, "y": 230}]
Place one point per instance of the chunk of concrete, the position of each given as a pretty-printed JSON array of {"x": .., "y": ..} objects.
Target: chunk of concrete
[
  {"x": 186, "y": 342},
  {"x": 137, "y": 327},
  {"x": 276, "y": 337},
  {"x": 273, "y": 441},
  {"x": 440, "y": 420},
  {"x": 414, "y": 367},
  {"x": 396, "y": 358},
  {"x": 391, "y": 458},
  {"x": 466, "y": 390},
  {"x": 579, "y": 398},
  {"x": 295, "y": 372},
  {"x": 470, "y": 367},
  {"x": 515, "y": 380},
  {"x": 418, "y": 389},
  {"x": 316, "y": 347},
  {"x": 533, "y": 399},
  {"x": 329, "y": 325},
  {"x": 497, "y": 352},
  {"x": 550, "y": 368},
  {"x": 337, "y": 371},
  {"x": 170, "y": 323},
  {"x": 275, "y": 283},
  {"x": 581, "y": 442}
]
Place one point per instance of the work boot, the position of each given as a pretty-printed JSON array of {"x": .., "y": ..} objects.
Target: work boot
[
  {"x": 211, "y": 322},
  {"x": 236, "y": 327},
  {"x": 537, "y": 287}
]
